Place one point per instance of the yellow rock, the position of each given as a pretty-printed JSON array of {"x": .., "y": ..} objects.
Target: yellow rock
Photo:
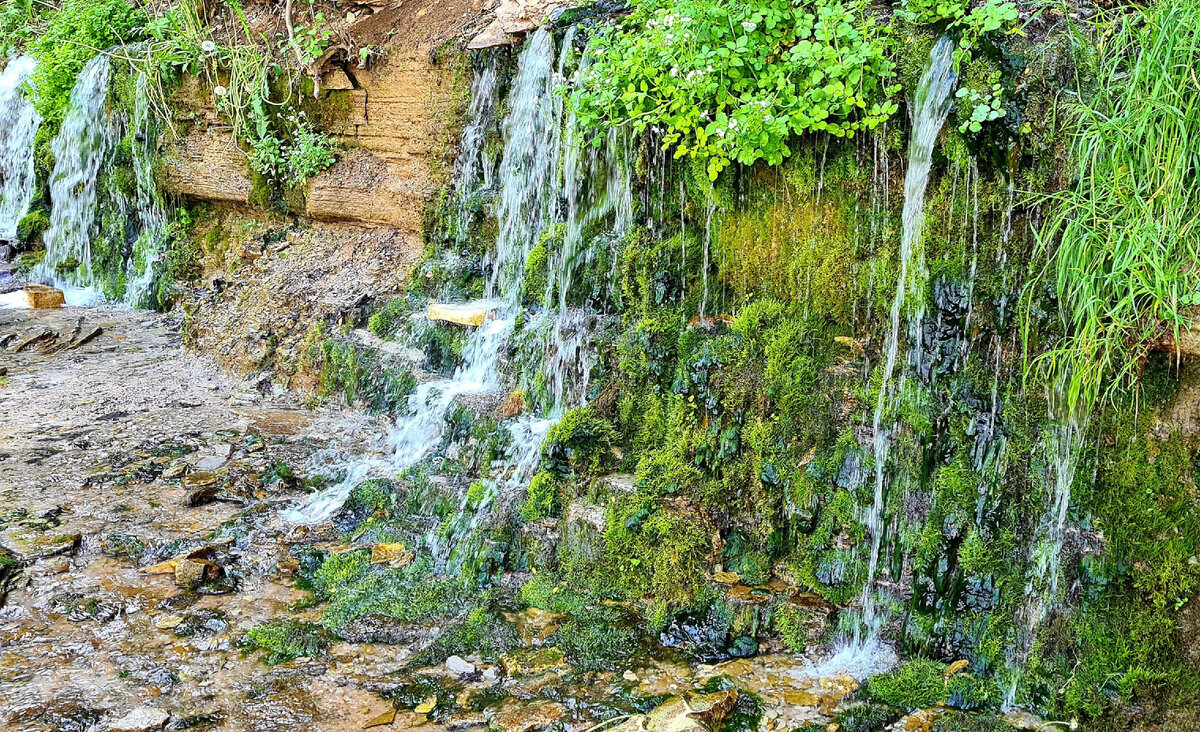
[
  {"x": 726, "y": 578},
  {"x": 41, "y": 296},
  {"x": 166, "y": 622},
  {"x": 801, "y": 699},
  {"x": 393, "y": 555},
  {"x": 386, "y": 718},
  {"x": 957, "y": 666},
  {"x": 468, "y": 314},
  {"x": 426, "y": 706}
]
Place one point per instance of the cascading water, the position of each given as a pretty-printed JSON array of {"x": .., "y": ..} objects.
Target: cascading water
[
  {"x": 931, "y": 106},
  {"x": 79, "y": 150},
  {"x": 19, "y": 123},
  {"x": 531, "y": 151},
  {"x": 474, "y": 169}
]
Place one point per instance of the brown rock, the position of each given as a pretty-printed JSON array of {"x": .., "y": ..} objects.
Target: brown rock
[
  {"x": 393, "y": 555},
  {"x": 206, "y": 164},
  {"x": 530, "y": 718},
  {"x": 957, "y": 666},
  {"x": 43, "y": 296},
  {"x": 191, "y": 573}
]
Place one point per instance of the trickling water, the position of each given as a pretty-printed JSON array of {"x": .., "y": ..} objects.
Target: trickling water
[
  {"x": 474, "y": 169},
  {"x": 930, "y": 109},
  {"x": 79, "y": 149},
  {"x": 19, "y": 123},
  {"x": 152, "y": 213}
]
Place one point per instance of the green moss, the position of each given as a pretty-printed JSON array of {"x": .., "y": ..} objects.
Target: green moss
[
  {"x": 917, "y": 684},
  {"x": 580, "y": 443},
  {"x": 866, "y": 718},
  {"x": 286, "y": 640},
  {"x": 545, "y": 592},
  {"x": 597, "y": 639},
  {"x": 543, "y": 497},
  {"x": 791, "y": 622},
  {"x": 534, "y": 285},
  {"x": 484, "y": 632},
  {"x": 31, "y": 227},
  {"x": 388, "y": 320}
]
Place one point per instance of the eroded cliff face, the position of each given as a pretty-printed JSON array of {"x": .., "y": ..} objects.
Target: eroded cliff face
[{"x": 274, "y": 269}]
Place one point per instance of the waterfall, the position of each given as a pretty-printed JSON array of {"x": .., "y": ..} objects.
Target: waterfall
[
  {"x": 474, "y": 168},
  {"x": 531, "y": 150},
  {"x": 79, "y": 149},
  {"x": 930, "y": 108},
  {"x": 152, "y": 214},
  {"x": 18, "y": 126}
]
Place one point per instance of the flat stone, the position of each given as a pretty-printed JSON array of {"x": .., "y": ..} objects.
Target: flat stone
[
  {"x": 142, "y": 719},
  {"x": 491, "y": 37},
  {"x": 693, "y": 713},
  {"x": 459, "y": 666},
  {"x": 43, "y": 296},
  {"x": 472, "y": 314},
  {"x": 530, "y": 718}
]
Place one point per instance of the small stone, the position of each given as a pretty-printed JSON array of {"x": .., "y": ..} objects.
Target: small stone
[
  {"x": 142, "y": 719},
  {"x": 201, "y": 495},
  {"x": 426, "y": 706},
  {"x": 490, "y": 673},
  {"x": 801, "y": 698},
  {"x": 459, "y": 666},
  {"x": 166, "y": 622},
  {"x": 530, "y": 718},
  {"x": 630, "y": 676},
  {"x": 198, "y": 480},
  {"x": 175, "y": 471},
  {"x": 726, "y": 578}
]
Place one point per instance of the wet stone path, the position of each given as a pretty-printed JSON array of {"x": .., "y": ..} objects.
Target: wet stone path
[{"x": 119, "y": 451}]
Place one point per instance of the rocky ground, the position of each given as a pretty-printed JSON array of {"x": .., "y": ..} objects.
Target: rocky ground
[{"x": 91, "y": 433}]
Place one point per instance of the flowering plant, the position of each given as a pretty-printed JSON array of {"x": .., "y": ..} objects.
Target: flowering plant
[{"x": 734, "y": 81}]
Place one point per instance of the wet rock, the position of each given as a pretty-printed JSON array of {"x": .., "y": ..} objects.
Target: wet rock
[
  {"x": 472, "y": 314},
  {"x": 191, "y": 573},
  {"x": 200, "y": 494},
  {"x": 175, "y": 471},
  {"x": 957, "y": 666},
  {"x": 44, "y": 296},
  {"x": 393, "y": 555},
  {"x": 530, "y": 718},
  {"x": 689, "y": 713},
  {"x": 459, "y": 666},
  {"x": 533, "y": 661},
  {"x": 142, "y": 719},
  {"x": 426, "y": 706},
  {"x": 386, "y": 718}
]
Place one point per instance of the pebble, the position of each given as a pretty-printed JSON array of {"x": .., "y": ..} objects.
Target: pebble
[
  {"x": 142, "y": 719},
  {"x": 459, "y": 666}
]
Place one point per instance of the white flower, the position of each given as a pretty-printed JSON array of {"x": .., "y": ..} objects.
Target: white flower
[
  {"x": 220, "y": 91},
  {"x": 748, "y": 26},
  {"x": 208, "y": 46}
]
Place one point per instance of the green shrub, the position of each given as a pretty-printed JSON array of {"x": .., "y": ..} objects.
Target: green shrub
[
  {"x": 866, "y": 718},
  {"x": 73, "y": 36},
  {"x": 386, "y": 321},
  {"x": 734, "y": 81},
  {"x": 791, "y": 623}
]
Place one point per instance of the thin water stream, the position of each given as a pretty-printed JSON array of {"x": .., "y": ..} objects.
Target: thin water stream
[
  {"x": 930, "y": 108},
  {"x": 19, "y": 123}
]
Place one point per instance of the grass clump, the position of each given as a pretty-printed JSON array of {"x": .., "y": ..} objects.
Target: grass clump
[
  {"x": 1122, "y": 240},
  {"x": 596, "y": 639},
  {"x": 916, "y": 684},
  {"x": 287, "y": 640}
]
